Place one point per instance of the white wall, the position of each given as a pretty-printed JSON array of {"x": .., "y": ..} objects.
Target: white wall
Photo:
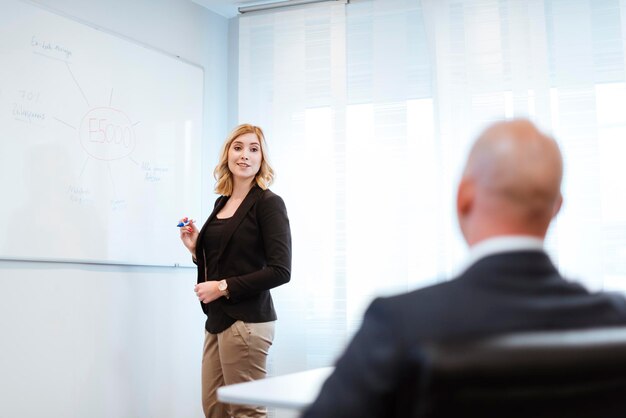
[{"x": 116, "y": 341}]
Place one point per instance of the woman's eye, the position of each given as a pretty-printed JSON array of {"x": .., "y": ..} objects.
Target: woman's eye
[
  {"x": 237, "y": 148},
  {"x": 254, "y": 149}
]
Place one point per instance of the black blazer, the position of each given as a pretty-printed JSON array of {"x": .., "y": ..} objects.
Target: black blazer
[
  {"x": 378, "y": 374},
  {"x": 254, "y": 256}
]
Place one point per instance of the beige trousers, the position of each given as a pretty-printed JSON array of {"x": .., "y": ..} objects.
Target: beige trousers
[{"x": 238, "y": 354}]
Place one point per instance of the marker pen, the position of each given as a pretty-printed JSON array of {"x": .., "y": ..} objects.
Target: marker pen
[{"x": 181, "y": 224}]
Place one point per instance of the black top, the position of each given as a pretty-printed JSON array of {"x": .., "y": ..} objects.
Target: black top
[
  {"x": 379, "y": 372},
  {"x": 211, "y": 244},
  {"x": 253, "y": 256}
]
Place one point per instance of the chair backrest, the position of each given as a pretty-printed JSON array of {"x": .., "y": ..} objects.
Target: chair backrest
[{"x": 564, "y": 374}]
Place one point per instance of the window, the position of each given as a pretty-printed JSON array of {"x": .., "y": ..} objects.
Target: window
[{"x": 368, "y": 128}]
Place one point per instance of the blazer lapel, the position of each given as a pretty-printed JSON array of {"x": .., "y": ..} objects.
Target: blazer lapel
[{"x": 240, "y": 214}]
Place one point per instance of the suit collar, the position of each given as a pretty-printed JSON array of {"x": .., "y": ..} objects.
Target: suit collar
[
  {"x": 501, "y": 244},
  {"x": 511, "y": 266}
]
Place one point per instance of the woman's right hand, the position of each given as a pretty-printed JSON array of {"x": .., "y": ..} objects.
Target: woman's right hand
[{"x": 189, "y": 235}]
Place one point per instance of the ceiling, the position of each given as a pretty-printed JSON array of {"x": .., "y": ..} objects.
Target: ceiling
[{"x": 228, "y": 8}]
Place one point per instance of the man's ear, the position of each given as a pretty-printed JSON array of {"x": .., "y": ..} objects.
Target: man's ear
[
  {"x": 465, "y": 197},
  {"x": 557, "y": 205}
]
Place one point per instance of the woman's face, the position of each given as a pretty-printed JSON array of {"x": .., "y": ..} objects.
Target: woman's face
[{"x": 244, "y": 157}]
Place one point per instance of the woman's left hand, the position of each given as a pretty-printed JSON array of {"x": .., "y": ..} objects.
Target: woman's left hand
[{"x": 207, "y": 291}]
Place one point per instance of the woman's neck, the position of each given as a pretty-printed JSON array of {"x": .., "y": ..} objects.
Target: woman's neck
[{"x": 241, "y": 189}]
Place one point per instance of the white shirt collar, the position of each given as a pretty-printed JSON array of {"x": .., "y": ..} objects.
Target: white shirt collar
[{"x": 502, "y": 244}]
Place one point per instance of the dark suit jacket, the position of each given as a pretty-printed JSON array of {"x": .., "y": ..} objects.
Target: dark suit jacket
[
  {"x": 254, "y": 256},
  {"x": 517, "y": 291}
]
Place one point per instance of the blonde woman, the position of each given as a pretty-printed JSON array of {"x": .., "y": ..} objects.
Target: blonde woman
[{"x": 242, "y": 251}]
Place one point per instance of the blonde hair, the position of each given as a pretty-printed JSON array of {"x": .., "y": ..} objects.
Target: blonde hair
[{"x": 223, "y": 175}]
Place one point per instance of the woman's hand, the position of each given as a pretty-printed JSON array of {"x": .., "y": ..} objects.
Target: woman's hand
[
  {"x": 189, "y": 235},
  {"x": 207, "y": 291}
]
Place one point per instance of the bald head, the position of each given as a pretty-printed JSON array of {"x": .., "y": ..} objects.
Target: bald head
[{"x": 511, "y": 183}]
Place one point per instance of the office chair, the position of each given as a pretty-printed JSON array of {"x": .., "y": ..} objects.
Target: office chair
[{"x": 556, "y": 374}]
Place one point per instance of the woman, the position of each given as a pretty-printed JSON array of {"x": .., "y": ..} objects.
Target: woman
[{"x": 242, "y": 251}]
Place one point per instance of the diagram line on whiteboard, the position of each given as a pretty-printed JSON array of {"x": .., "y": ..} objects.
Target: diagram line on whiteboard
[
  {"x": 77, "y": 85},
  {"x": 83, "y": 169},
  {"x": 133, "y": 160},
  {"x": 64, "y": 123},
  {"x": 137, "y": 123}
]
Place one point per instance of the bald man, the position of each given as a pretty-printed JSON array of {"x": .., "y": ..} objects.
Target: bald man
[{"x": 507, "y": 197}]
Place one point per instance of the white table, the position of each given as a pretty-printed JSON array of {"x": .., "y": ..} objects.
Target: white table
[{"x": 290, "y": 391}]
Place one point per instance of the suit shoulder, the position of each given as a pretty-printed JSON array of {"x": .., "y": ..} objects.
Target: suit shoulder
[
  {"x": 270, "y": 198},
  {"x": 423, "y": 292},
  {"x": 267, "y": 194},
  {"x": 425, "y": 300}
]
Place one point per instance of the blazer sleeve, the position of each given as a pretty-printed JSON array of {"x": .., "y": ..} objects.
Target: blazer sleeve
[
  {"x": 365, "y": 380},
  {"x": 273, "y": 225}
]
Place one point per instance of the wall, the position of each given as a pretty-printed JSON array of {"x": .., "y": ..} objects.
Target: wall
[{"x": 116, "y": 341}]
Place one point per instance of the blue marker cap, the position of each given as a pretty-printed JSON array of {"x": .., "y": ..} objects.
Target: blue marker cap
[{"x": 181, "y": 224}]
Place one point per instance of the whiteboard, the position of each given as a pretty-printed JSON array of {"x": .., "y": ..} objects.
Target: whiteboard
[{"x": 99, "y": 143}]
